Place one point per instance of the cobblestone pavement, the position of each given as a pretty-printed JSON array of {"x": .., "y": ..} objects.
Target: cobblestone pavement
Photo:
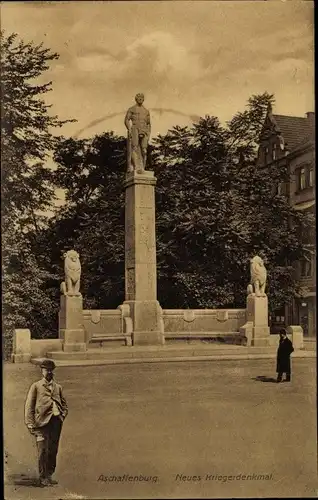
[{"x": 171, "y": 430}]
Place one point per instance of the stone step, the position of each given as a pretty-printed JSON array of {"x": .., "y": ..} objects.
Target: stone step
[
  {"x": 234, "y": 338},
  {"x": 159, "y": 351},
  {"x": 310, "y": 344},
  {"x": 216, "y": 356},
  {"x": 210, "y": 338},
  {"x": 169, "y": 352}
]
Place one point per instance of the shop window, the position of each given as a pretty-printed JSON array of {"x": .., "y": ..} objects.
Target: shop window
[{"x": 280, "y": 319}]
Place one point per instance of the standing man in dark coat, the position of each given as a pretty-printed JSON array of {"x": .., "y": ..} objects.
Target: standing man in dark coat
[
  {"x": 284, "y": 351},
  {"x": 45, "y": 411}
]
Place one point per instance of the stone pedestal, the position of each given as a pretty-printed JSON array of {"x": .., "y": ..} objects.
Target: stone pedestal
[
  {"x": 257, "y": 314},
  {"x": 71, "y": 329},
  {"x": 297, "y": 335},
  {"x": 21, "y": 352},
  {"x": 140, "y": 259}
]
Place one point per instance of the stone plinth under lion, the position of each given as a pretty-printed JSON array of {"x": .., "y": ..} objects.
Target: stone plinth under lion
[
  {"x": 71, "y": 329},
  {"x": 258, "y": 333}
]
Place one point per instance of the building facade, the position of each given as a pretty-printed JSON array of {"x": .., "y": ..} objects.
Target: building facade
[{"x": 290, "y": 141}]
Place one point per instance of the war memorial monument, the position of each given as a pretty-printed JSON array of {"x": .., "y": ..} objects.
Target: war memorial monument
[{"x": 140, "y": 323}]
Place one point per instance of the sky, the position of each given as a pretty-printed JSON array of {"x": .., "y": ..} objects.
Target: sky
[{"x": 190, "y": 59}]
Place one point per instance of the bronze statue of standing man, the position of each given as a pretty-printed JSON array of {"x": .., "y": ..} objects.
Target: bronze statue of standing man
[{"x": 137, "y": 122}]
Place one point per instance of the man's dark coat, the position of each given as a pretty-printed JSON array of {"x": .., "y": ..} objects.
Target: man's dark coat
[{"x": 284, "y": 351}]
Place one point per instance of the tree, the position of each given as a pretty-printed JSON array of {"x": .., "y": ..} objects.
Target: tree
[
  {"x": 92, "y": 222},
  {"x": 245, "y": 127},
  {"x": 27, "y": 188},
  {"x": 215, "y": 210}
]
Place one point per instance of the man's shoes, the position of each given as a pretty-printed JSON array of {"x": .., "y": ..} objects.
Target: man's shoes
[
  {"x": 43, "y": 482},
  {"x": 52, "y": 481}
]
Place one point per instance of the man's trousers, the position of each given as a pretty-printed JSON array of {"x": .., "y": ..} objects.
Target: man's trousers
[{"x": 47, "y": 440}]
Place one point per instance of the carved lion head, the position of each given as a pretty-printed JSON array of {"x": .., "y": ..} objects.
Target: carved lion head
[
  {"x": 71, "y": 255},
  {"x": 258, "y": 270},
  {"x": 257, "y": 260}
]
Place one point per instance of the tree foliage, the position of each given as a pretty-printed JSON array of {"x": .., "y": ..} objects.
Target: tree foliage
[
  {"x": 27, "y": 188},
  {"x": 214, "y": 213},
  {"x": 92, "y": 222}
]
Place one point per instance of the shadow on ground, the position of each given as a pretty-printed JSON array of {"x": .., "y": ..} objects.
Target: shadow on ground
[
  {"x": 22, "y": 480},
  {"x": 263, "y": 378},
  {"x": 17, "y": 473}
]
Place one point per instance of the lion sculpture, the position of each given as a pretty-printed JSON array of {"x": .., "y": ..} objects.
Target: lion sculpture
[
  {"x": 72, "y": 268},
  {"x": 258, "y": 277}
]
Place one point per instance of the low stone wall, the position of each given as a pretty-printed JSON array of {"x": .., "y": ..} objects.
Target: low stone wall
[
  {"x": 39, "y": 347},
  {"x": 101, "y": 321},
  {"x": 25, "y": 348},
  {"x": 208, "y": 322},
  {"x": 295, "y": 334}
]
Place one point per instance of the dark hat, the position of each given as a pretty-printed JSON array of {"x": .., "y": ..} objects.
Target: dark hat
[
  {"x": 283, "y": 331},
  {"x": 48, "y": 364}
]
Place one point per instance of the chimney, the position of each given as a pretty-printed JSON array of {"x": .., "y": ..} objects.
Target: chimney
[
  {"x": 311, "y": 116},
  {"x": 311, "y": 122}
]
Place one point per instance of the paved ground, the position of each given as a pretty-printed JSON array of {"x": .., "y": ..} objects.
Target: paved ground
[{"x": 178, "y": 424}]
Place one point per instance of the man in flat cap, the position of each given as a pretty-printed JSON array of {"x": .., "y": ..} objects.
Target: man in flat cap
[{"x": 45, "y": 411}]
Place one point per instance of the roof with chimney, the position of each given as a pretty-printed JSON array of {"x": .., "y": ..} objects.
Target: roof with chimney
[{"x": 295, "y": 130}]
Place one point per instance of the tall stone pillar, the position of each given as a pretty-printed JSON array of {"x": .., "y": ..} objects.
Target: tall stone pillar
[{"x": 140, "y": 259}]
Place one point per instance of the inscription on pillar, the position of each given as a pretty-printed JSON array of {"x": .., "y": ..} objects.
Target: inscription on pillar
[
  {"x": 144, "y": 199},
  {"x": 146, "y": 230},
  {"x": 130, "y": 283},
  {"x": 145, "y": 236},
  {"x": 151, "y": 280}
]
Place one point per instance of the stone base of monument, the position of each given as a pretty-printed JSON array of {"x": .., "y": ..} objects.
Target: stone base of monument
[
  {"x": 73, "y": 340},
  {"x": 21, "y": 346},
  {"x": 147, "y": 322},
  {"x": 260, "y": 337},
  {"x": 257, "y": 316},
  {"x": 21, "y": 358},
  {"x": 147, "y": 338},
  {"x": 71, "y": 330}
]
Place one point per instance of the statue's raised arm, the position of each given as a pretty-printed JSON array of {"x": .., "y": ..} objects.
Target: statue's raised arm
[{"x": 137, "y": 122}]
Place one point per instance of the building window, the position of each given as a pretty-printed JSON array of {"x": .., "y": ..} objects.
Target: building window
[
  {"x": 305, "y": 268},
  {"x": 274, "y": 152},
  {"x": 304, "y": 177}
]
